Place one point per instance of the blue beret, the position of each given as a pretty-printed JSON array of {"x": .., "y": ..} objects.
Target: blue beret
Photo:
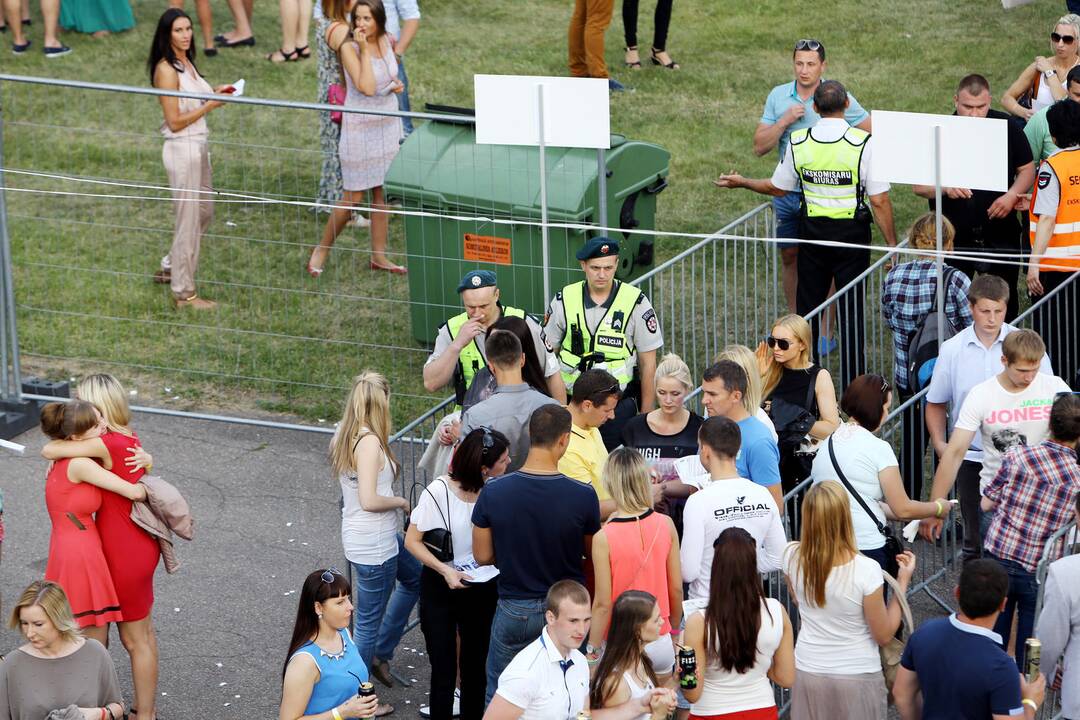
[
  {"x": 477, "y": 279},
  {"x": 598, "y": 247}
]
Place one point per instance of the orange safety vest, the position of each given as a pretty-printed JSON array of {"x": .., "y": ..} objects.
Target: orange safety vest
[{"x": 1063, "y": 252}]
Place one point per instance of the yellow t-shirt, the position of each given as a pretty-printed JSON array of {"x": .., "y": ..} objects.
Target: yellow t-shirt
[{"x": 585, "y": 457}]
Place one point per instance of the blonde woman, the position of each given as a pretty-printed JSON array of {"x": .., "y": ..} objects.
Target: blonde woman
[
  {"x": 1043, "y": 81},
  {"x": 667, "y": 433},
  {"x": 364, "y": 464},
  {"x": 637, "y": 549},
  {"x": 744, "y": 357},
  {"x": 56, "y": 667},
  {"x": 791, "y": 384},
  {"x": 130, "y": 552},
  {"x": 844, "y": 618}
]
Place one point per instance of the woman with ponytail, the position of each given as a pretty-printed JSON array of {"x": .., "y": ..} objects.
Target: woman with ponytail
[
  {"x": 73, "y": 493},
  {"x": 130, "y": 552}
]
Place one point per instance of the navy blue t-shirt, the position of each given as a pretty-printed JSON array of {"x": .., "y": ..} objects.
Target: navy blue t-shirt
[
  {"x": 963, "y": 672},
  {"x": 538, "y": 526}
]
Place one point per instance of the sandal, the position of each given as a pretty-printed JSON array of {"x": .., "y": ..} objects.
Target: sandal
[
  {"x": 656, "y": 61},
  {"x": 635, "y": 64},
  {"x": 304, "y": 52},
  {"x": 285, "y": 57}
]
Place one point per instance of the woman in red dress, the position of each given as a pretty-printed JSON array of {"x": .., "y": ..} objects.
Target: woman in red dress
[
  {"x": 73, "y": 493},
  {"x": 130, "y": 552}
]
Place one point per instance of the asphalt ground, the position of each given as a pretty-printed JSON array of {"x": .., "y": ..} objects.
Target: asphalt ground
[{"x": 266, "y": 514}]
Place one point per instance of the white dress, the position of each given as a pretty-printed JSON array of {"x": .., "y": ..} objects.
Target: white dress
[{"x": 369, "y": 143}]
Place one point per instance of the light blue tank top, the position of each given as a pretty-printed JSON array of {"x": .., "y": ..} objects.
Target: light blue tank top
[{"x": 339, "y": 675}]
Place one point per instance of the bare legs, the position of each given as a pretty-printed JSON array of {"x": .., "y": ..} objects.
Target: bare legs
[
  {"x": 295, "y": 24},
  {"x": 141, "y": 644},
  {"x": 97, "y": 632},
  {"x": 241, "y": 11},
  {"x": 23, "y": 10},
  {"x": 339, "y": 218}
]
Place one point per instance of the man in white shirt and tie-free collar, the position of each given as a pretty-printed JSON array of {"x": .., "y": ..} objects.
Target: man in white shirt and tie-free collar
[{"x": 549, "y": 679}]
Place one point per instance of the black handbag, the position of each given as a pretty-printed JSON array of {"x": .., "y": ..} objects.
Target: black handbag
[
  {"x": 893, "y": 545},
  {"x": 439, "y": 541}
]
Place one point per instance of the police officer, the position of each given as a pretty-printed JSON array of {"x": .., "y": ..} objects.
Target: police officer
[
  {"x": 1055, "y": 255},
  {"x": 459, "y": 344},
  {"x": 603, "y": 323},
  {"x": 828, "y": 165}
]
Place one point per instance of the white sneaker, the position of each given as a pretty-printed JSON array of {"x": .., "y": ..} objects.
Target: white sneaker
[
  {"x": 359, "y": 221},
  {"x": 425, "y": 710}
]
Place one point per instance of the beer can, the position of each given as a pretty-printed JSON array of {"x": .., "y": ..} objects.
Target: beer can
[
  {"x": 1033, "y": 650},
  {"x": 366, "y": 689},
  {"x": 687, "y": 663}
]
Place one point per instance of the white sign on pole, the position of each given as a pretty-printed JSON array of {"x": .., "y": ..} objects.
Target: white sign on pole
[
  {"x": 576, "y": 111},
  {"x": 974, "y": 151}
]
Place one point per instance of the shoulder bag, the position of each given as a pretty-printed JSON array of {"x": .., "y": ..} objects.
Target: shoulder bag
[{"x": 439, "y": 541}]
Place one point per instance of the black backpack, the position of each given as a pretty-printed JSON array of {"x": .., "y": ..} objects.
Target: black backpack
[{"x": 924, "y": 345}]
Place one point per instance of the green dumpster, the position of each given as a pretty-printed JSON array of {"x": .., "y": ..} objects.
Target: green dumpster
[{"x": 479, "y": 208}]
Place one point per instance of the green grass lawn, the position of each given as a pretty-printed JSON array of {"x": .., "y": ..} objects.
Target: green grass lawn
[{"x": 282, "y": 342}]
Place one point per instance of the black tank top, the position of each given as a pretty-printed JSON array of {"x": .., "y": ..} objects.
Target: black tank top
[{"x": 794, "y": 387}]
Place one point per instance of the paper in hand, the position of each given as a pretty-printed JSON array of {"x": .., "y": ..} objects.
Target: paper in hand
[{"x": 239, "y": 85}]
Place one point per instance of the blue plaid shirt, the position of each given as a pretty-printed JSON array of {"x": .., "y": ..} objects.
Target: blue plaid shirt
[{"x": 906, "y": 298}]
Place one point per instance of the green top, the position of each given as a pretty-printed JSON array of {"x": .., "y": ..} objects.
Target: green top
[{"x": 1037, "y": 131}]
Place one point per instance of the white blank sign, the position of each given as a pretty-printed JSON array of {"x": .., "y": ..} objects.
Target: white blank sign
[
  {"x": 974, "y": 151},
  {"x": 576, "y": 111}
]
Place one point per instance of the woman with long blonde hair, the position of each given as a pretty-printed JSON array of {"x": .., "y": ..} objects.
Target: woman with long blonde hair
[
  {"x": 843, "y": 614},
  {"x": 793, "y": 385},
  {"x": 130, "y": 552},
  {"x": 366, "y": 468}
]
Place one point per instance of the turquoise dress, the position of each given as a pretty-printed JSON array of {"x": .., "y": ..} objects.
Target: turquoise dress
[
  {"x": 339, "y": 675},
  {"x": 90, "y": 16}
]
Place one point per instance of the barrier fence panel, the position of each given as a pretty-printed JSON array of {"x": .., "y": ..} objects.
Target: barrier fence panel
[
  {"x": 1061, "y": 544},
  {"x": 90, "y": 214},
  {"x": 720, "y": 290}
]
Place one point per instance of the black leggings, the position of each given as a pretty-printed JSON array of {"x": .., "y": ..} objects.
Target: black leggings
[{"x": 660, "y": 23}]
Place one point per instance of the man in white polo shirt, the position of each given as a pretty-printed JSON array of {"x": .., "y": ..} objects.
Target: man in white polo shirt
[
  {"x": 549, "y": 679},
  {"x": 727, "y": 501}
]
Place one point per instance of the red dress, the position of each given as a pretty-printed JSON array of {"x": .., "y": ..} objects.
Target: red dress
[
  {"x": 131, "y": 552},
  {"x": 76, "y": 561}
]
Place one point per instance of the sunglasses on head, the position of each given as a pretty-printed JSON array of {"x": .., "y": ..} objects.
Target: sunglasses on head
[
  {"x": 778, "y": 342},
  {"x": 1067, "y": 39},
  {"x": 807, "y": 44},
  {"x": 329, "y": 573}
]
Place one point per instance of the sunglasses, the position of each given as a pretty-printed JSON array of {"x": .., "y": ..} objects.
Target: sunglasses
[
  {"x": 1067, "y": 39},
  {"x": 778, "y": 342},
  {"x": 808, "y": 44},
  {"x": 329, "y": 573}
]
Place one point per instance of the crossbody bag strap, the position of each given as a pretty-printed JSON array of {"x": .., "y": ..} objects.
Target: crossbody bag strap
[
  {"x": 811, "y": 394},
  {"x": 858, "y": 497},
  {"x": 445, "y": 521}
]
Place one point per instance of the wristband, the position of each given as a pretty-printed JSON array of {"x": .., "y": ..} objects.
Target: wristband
[
  {"x": 1030, "y": 703},
  {"x": 940, "y": 508},
  {"x": 336, "y": 714}
]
